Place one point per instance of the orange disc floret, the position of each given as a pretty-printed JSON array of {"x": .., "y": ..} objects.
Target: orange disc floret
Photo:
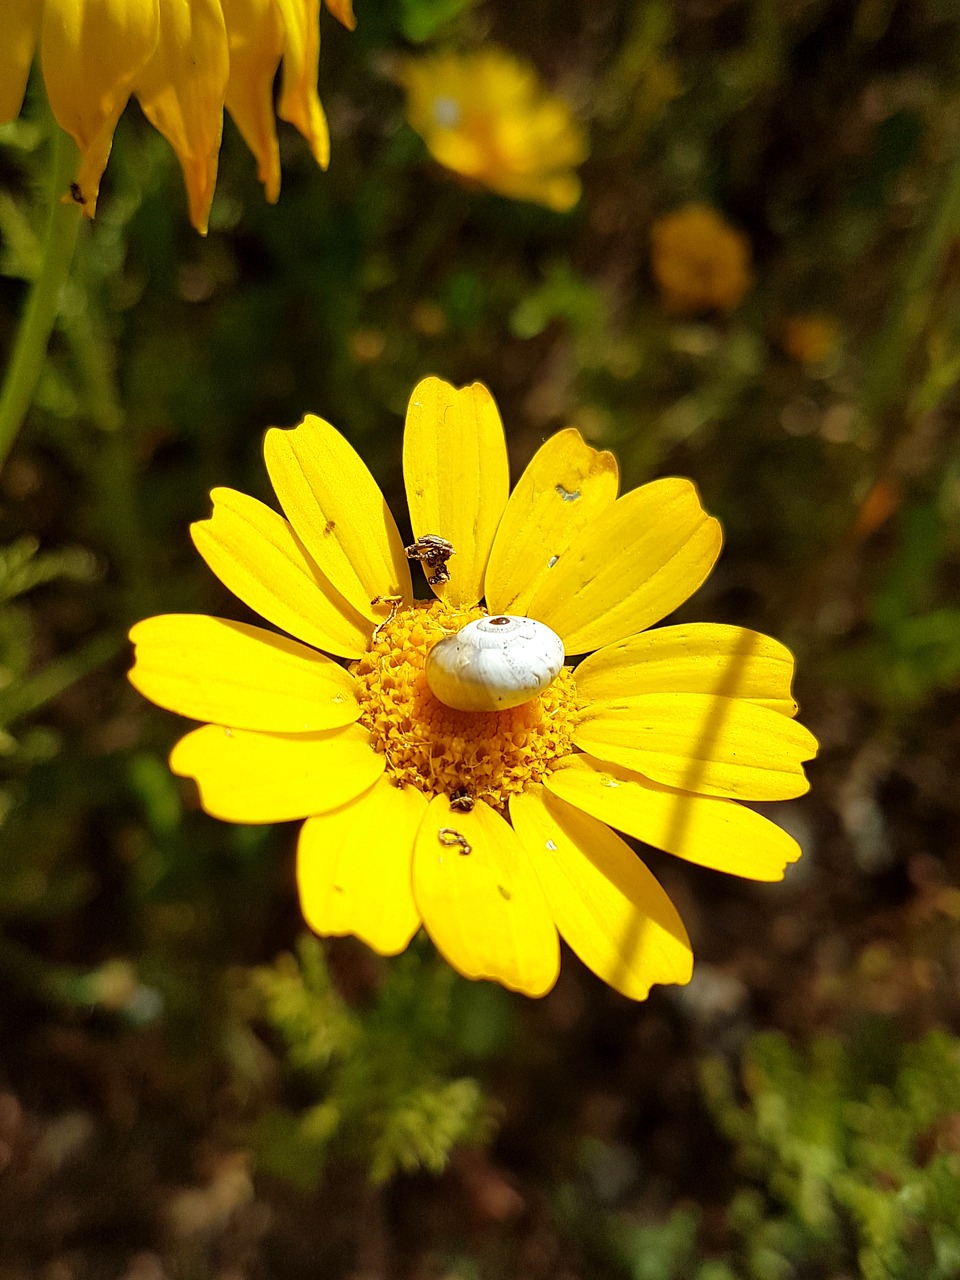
[{"x": 481, "y": 755}]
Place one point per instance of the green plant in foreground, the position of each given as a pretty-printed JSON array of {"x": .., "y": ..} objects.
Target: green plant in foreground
[
  {"x": 381, "y": 1076},
  {"x": 858, "y": 1147},
  {"x": 849, "y": 1155}
]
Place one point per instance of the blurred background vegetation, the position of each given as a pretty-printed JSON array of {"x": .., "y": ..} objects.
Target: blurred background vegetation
[{"x": 189, "y": 1086}]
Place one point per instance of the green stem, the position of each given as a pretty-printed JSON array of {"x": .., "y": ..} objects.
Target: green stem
[{"x": 40, "y": 313}]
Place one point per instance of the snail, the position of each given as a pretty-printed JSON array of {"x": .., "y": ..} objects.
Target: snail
[{"x": 494, "y": 663}]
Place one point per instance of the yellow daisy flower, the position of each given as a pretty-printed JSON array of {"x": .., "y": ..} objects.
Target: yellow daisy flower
[
  {"x": 486, "y": 116},
  {"x": 488, "y": 826},
  {"x": 699, "y": 262},
  {"x": 184, "y": 60}
]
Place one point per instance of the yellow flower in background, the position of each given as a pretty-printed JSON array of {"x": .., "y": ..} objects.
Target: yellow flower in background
[
  {"x": 810, "y": 339},
  {"x": 699, "y": 262},
  {"x": 486, "y": 116},
  {"x": 489, "y": 827},
  {"x": 184, "y": 60}
]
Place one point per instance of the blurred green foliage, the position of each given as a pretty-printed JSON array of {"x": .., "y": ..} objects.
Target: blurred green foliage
[
  {"x": 381, "y": 1074},
  {"x": 421, "y": 20},
  {"x": 914, "y": 649},
  {"x": 847, "y": 1156},
  {"x": 858, "y": 1141}
]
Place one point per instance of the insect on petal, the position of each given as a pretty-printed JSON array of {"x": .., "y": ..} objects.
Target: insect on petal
[
  {"x": 91, "y": 52},
  {"x": 457, "y": 478},
  {"x": 480, "y": 900}
]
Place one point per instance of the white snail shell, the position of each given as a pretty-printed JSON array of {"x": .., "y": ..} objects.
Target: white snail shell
[{"x": 494, "y": 663}]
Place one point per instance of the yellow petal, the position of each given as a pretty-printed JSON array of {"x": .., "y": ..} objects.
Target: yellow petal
[
  {"x": 699, "y": 657},
  {"x": 480, "y": 900},
  {"x": 255, "y": 33},
  {"x": 255, "y": 553},
  {"x": 182, "y": 88},
  {"x": 338, "y": 512},
  {"x": 238, "y": 675},
  {"x": 561, "y": 493},
  {"x": 299, "y": 102},
  {"x": 354, "y": 868},
  {"x": 642, "y": 558},
  {"x": 560, "y": 195},
  {"x": 716, "y": 746},
  {"x": 342, "y": 10},
  {"x": 605, "y": 902},
  {"x": 486, "y": 117},
  {"x": 715, "y": 833},
  {"x": 457, "y": 477},
  {"x": 21, "y": 26},
  {"x": 459, "y": 152},
  {"x": 270, "y": 777},
  {"x": 91, "y": 51}
]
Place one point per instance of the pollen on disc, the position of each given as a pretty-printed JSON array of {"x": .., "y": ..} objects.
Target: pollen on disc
[{"x": 488, "y": 755}]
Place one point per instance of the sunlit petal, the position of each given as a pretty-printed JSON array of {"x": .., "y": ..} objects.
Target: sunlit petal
[
  {"x": 234, "y": 674},
  {"x": 561, "y": 493},
  {"x": 605, "y": 902},
  {"x": 338, "y": 512},
  {"x": 256, "y": 34},
  {"x": 698, "y": 657},
  {"x": 480, "y": 900},
  {"x": 716, "y": 746},
  {"x": 643, "y": 556},
  {"x": 270, "y": 777},
  {"x": 182, "y": 89},
  {"x": 712, "y": 832},
  {"x": 255, "y": 553},
  {"x": 299, "y": 102},
  {"x": 354, "y": 868},
  {"x": 457, "y": 478},
  {"x": 91, "y": 52}
]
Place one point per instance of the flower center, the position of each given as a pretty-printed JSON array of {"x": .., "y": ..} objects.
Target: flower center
[{"x": 467, "y": 755}]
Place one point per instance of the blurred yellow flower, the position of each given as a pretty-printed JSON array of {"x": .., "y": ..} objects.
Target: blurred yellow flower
[
  {"x": 699, "y": 262},
  {"x": 486, "y": 116},
  {"x": 184, "y": 60},
  {"x": 486, "y": 825},
  {"x": 810, "y": 339}
]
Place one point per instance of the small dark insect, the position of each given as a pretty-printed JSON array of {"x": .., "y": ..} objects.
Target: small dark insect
[
  {"x": 76, "y": 193},
  {"x": 454, "y": 840},
  {"x": 462, "y": 800},
  {"x": 433, "y": 552}
]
